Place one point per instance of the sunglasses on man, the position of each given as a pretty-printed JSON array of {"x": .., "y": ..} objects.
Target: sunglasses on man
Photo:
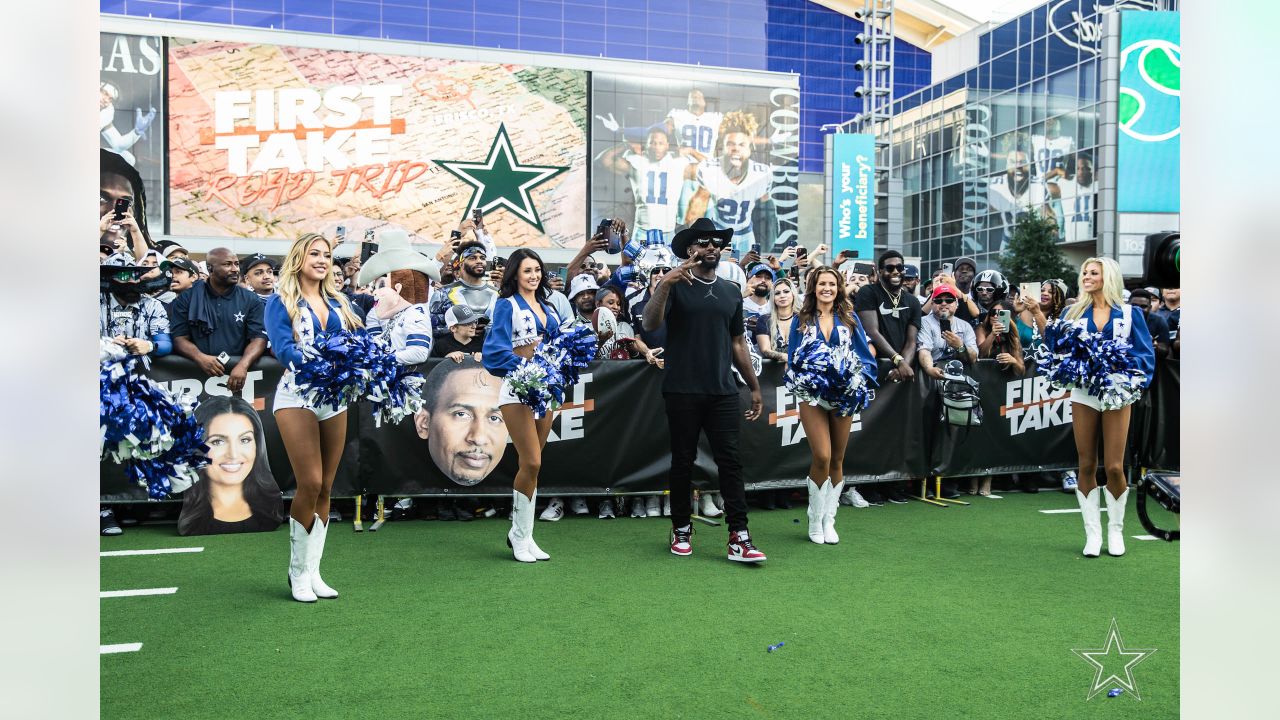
[
  {"x": 707, "y": 242},
  {"x": 944, "y": 300},
  {"x": 893, "y": 268}
]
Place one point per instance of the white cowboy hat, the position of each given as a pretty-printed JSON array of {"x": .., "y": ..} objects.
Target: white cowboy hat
[{"x": 394, "y": 253}]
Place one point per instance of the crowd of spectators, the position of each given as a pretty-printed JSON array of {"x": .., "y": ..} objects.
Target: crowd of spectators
[{"x": 157, "y": 299}]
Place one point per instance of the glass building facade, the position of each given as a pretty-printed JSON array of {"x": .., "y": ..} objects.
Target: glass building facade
[
  {"x": 779, "y": 35},
  {"x": 1017, "y": 132}
]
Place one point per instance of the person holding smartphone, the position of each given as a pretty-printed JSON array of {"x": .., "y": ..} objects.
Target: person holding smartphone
[{"x": 998, "y": 339}]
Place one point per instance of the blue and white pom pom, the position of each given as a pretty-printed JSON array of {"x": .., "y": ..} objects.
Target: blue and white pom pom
[
  {"x": 394, "y": 389},
  {"x": 573, "y": 349},
  {"x": 1072, "y": 357},
  {"x": 1064, "y": 356},
  {"x": 538, "y": 382},
  {"x": 1113, "y": 378},
  {"x": 820, "y": 373},
  {"x": 142, "y": 425},
  {"x": 335, "y": 371},
  {"x": 347, "y": 365}
]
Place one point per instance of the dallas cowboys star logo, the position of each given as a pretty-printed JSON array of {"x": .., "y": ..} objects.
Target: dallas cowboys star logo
[
  {"x": 502, "y": 181},
  {"x": 239, "y": 317},
  {"x": 1115, "y": 651}
]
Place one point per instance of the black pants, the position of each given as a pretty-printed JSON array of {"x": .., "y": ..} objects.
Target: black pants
[{"x": 718, "y": 416}]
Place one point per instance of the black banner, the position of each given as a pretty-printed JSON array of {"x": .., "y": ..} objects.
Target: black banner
[{"x": 611, "y": 436}]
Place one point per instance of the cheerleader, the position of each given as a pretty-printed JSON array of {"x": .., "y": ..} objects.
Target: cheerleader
[
  {"x": 826, "y": 317},
  {"x": 307, "y": 302},
  {"x": 522, "y": 318},
  {"x": 1102, "y": 313}
]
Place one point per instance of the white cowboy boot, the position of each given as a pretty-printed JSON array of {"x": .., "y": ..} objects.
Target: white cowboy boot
[
  {"x": 817, "y": 510},
  {"x": 1115, "y": 522},
  {"x": 521, "y": 527},
  {"x": 536, "y": 551},
  {"x": 299, "y": 575},
  {"x": 315, "y": 551},
  {"x": 1092, "y": 521},
  {"x": 829, "y": 517}
]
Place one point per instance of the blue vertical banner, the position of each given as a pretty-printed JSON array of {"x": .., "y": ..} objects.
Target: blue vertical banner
[
  {"x": 1149, "y": 112},
  {"x": 853, "y": 200}
]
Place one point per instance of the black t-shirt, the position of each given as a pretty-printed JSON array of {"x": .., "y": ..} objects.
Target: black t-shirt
[
  {"x": 875, "y": 298},
  {"x": 655, "y": 339},
  {"x": 962, "y": 312},
  {"x": 446, "y": 344},
  {"x": 1158, "y": 326},
  {"x": 701, "y": 322}
]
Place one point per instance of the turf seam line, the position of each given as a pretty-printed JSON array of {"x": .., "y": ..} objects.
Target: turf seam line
[
  {"x": 136, "y": 593},
  {"x": 119, "y": 648},
  {"x": 1067, "y": 510},
  {"x": 160, "y": 551}
]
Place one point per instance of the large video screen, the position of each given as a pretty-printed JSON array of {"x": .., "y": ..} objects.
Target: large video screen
[
  {"x": 269, "y": 141},
  {"x": 131, "y": 113},
  {"x": 666, "y": 152}
]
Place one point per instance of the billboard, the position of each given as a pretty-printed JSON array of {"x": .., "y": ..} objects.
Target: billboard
[
  {"x": 1149, "y": 112},
  {"x": 668, "y": 151},
  {"x": 269, "y": 141},
  {"x": 130, "y": 112},
  {"x": 853, "y": 204}
]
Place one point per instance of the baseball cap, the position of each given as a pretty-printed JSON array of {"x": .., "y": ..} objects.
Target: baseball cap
[
  {"x": 944, "y": 289},
  {"x": 460, "y": 315},
  {"x": 253, "y": 260},
  {"x": 182, "y": 264},
  {"x": 582, "y": 283},
  {"x": 757, "y": 268},
  {"x": 169, "y": 247},
  {"x": 910, "y": 272}
]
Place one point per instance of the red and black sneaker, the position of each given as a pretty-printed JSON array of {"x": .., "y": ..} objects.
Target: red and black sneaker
[
  {"x": 680, "y": 544},
  {"x": 741, "y": 549}
]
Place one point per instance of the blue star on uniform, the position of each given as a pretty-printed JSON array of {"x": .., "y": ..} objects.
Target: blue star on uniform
[
  {"x": 1114, "y": 649},
  {"x": 502, "y": 181}
]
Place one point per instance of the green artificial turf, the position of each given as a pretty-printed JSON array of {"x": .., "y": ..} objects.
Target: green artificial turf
[{"x": 919, "y": 612}]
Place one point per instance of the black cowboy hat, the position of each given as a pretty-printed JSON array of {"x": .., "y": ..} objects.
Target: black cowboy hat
[{"x": 702, "y": 227}]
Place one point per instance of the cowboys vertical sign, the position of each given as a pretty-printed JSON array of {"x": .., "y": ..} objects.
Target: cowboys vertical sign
[{"x": 853, "y": 203}]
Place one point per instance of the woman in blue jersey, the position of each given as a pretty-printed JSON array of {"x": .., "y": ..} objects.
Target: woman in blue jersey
[
  {"x": 522, "y": 318},
  {"x": 827, "y": 316},
  {"x": 1102, "y": 312},
  {"x": 308, "y": 302}
]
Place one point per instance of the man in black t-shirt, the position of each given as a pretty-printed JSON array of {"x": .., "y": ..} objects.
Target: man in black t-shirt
[
  {"x": 891, "y": 318},
  {"x": 703, "y": 317}
]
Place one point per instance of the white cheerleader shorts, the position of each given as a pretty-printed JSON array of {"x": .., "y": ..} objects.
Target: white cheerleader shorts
[
  {"x": 506, "y": 396},
  {"x": 288, "y": 399},
  {"x": 1083, "y": 397}
]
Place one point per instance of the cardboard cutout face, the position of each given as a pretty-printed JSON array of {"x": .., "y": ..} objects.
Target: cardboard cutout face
[{"x": 462, "y": 422}]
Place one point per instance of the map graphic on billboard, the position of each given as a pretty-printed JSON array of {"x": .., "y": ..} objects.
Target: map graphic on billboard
[{"x": 269, "y": 142}]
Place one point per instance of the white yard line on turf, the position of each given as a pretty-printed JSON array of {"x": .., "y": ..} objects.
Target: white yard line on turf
[
  {"x": 121, "y": 648},
  {"x": 136, "y": 593},
  {"x": 1066, "y": 510},
  {"x": 1145, "y": 537},
  {"x": 161, "y": 551}
]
